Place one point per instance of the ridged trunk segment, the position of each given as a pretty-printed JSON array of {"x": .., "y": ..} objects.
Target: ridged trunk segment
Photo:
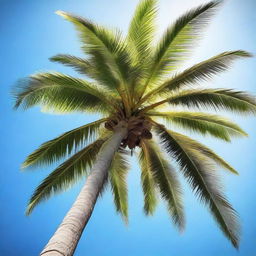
[{"x": 65, "y": 239}]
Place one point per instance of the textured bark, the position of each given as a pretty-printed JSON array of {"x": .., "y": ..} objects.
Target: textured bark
[{"x": 65, "y": 239}]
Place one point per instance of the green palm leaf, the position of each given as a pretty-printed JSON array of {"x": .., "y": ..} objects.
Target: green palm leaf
[
  {"x": 203, "y": 123},
  {"x": 147, "y": 181},
  {"x": 141, "y": 31},
  {"x": 199, "y": 72},
  {"x": 93, "y": 68},
  {"x": 168, "y": 183},
  {"x": 189, "y": 144},
  {"x": 61, "y": 93},
  {"x": 139, "y": 41},
  {"x": 217, "y": 99},
  {"x": 237, "y": 101},
  {"x": 107, "y": 48},
  {"x": 81, "y": 65},
  {"x": 178, "y": 39},
  {"x": 66, "y": 174},
  {"x": 117, "y": 176},
  {"x": 64, "y": 145},
  {"x": 201, "y": 176}
]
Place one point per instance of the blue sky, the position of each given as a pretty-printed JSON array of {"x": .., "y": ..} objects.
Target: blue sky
[{"x": 31, "y": 33}]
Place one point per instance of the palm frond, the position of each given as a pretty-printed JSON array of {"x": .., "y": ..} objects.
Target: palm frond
[
  {"x": 64, "y": 145},
  {"x": 189, "y": 144},
  {"x": 81, "y": 65},
  {"x": 105, "y": 47},
  {"x": 216, "y": 99},
  {"x": 139, "y": 41},
  {"x": 202, "y": 71},
  {"x": 178, "y": 39},
  {"x": 202, "y": 178},
  {"x": 167, "y": 181},
  {"x": 94, "y": 68},
  {"x": 147, "y": 181},
  {"x": 62, "y": 93},
  {"x": 141, "y": 30},
  {"x": 203, "y": 123},
  {"x": 66, "y": 174},
  {"x": 102, "y": 73},
  {"x": 117, "y": 176},
  {"x": 228, "y": 99}
]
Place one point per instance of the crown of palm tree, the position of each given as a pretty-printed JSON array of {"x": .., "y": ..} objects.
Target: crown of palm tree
[{"x": 136, "y": 80}]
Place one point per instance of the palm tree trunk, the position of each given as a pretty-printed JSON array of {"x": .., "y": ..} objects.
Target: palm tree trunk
[{"x": 65, "y": 239}]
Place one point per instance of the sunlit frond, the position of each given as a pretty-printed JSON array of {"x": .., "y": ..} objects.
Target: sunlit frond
[
  {"x": 200, "y": 72},
  {"x": 62, "y": 93},
  {"x": 141, "y": 31},
  {"x": 66, "y": 174},
  {"x": 216, "y": 99},
  {"x": 101, "y": 72},
  {"x": 105, "y": 47},
  {"x": 147, "y": 181},
  {"x": 203, "y": 123},
  {"x": 94, "y": 68},
  {"x": 117, "y": 176},
  {"x": 81, "y": 65},
  {"x": 178, "y": 39},
  {"x": 232, "y": 100},
  {"x": 167, "y": 181},
  {"x": 189, "y": 144},
  {"x": 140, "y": 42},
  {"x": 62, "y": 146},
  {"x": 204, "y": 182}
]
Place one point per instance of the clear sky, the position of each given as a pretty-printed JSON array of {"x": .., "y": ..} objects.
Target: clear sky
[{"x": 31, "y": 33}]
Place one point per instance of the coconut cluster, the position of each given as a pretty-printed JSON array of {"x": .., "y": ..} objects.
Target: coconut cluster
[{"x": 139, "y": 128}]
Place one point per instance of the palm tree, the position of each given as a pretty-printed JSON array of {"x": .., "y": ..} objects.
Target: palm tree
[{"x": 134, "y": 85}]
